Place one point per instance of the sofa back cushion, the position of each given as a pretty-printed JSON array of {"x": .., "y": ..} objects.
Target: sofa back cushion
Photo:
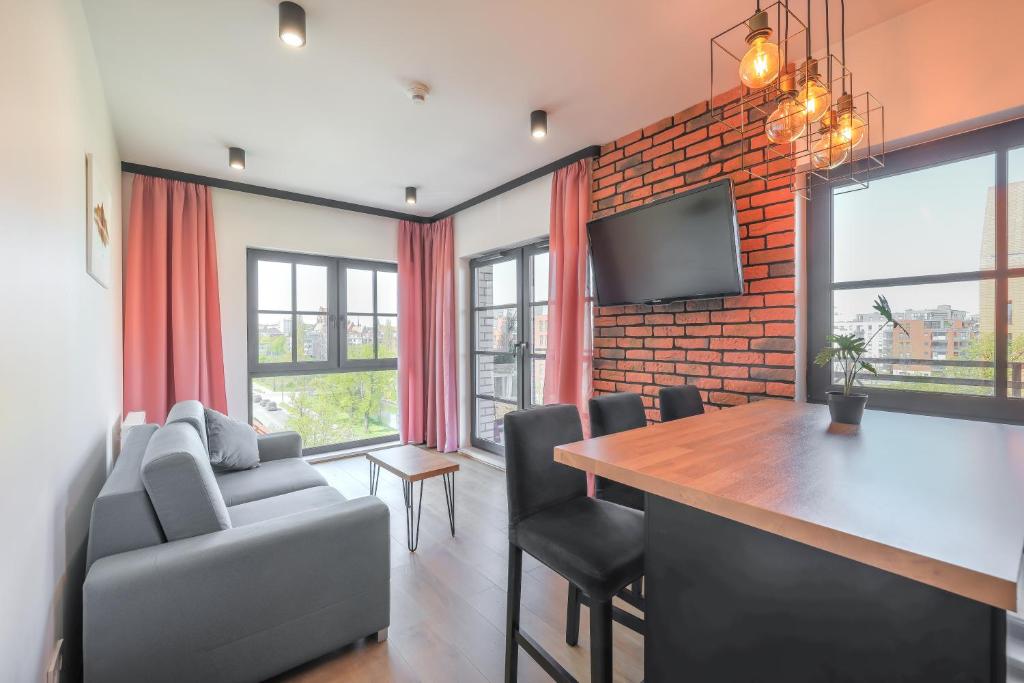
[
  {"x": 123, "y": 518},
  {"x": 179, "y": 479},
  {"x": 193, "y": 413}
]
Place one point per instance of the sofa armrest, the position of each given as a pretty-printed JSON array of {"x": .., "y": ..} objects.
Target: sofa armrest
[
  {"x": 279, "y": 446},
  {"x": 252, "y": 600}
]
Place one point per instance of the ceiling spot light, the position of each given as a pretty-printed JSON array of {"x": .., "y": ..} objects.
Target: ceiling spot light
[
  {"x": 538, "y": 123},
  {"x": 291, "y": 24},
  {"x": 236, "y": 158},
  {"x": 410, "y": 195}
]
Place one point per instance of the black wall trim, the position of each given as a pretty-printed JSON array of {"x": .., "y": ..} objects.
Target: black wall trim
[
  {"x": 585, "y": 153},
  {"x": 129, "y": 167},
  {"x": 141, "y": 169}
]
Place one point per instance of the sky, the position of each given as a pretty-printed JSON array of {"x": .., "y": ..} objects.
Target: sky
[
  {"x": 504, "y": 279},
  {"x": 275, "y": 288},
  {"x": 918, "y": 223}
]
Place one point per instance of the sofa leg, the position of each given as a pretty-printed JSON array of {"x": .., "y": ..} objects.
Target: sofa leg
[{"x": 381, "y": 635}]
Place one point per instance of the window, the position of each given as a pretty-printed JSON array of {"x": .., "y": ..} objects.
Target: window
[
  {"x": 508, "y": 355},
  {"x": 940, "y": 233},
  {"x": 323, "y": 348}
]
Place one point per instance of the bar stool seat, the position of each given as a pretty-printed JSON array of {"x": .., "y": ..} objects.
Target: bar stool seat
[{"x": 596, "y": 545}]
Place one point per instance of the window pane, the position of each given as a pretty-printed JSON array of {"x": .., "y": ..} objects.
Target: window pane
[
  {"x": 387, "y": 336},
  {"x": 489, "y": 420},
  {"x": 497, "y": 330},
  {"x": 274, "y": 331},
  {"x": 537, "y": 381},
  {"x": 935, "y": 220},
  {"x": 273, "y": 286},
  {"x": 949, "y": 342},
  {"x": 497, "y": 376},
  {"x": 310, "y": 288},
  {"x": 539, "y": 329},
  {"x": 327, "y": 409},
  {"x": 496, "y": 284},
  {"x": 1015, "y": 338},
  {"x": 539, "y": 281},
  {"x": 312, "y": 338},
  {"x": 387, "y": 292},
  {"x": 1015, "y": 204},
  {"x": 359, "y": 290},
  {"x": 359, "y": 333}
]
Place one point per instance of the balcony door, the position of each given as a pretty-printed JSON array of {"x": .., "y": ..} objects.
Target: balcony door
[{"x": 508, "y": 338}]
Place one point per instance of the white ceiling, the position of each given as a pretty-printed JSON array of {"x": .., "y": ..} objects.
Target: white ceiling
[{"x": 186, "y": 79}]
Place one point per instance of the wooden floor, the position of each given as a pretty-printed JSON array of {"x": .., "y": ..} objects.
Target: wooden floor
[{"x": 448, "y": 598}]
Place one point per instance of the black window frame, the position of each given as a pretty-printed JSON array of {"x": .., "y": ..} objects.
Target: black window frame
[
  {"x": 997, "y": 140},
  {"x": 524, "y": 353},
  {"x": 337, "y": 315}
]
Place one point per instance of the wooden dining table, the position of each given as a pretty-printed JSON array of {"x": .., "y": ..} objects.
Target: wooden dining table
[{"x": 781, "y": 547}]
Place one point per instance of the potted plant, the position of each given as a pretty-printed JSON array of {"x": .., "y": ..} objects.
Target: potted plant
[{"x": 845, "y": 406}]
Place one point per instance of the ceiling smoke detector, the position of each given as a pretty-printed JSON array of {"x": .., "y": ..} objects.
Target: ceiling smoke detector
[{"x": 418, "y": 92}]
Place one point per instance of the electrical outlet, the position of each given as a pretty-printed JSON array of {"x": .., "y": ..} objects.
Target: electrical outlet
[{"x": 53, "y": 671}]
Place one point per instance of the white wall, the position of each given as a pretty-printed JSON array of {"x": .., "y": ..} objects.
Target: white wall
[
  {"x": 513, "y": 218},
  {"x": 247, "y": 220},
  {"x": 60, "y": 358},
  {"x": 941, "y": 68}
]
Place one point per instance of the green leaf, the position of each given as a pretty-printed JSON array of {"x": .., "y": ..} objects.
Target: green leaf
[
  {"x": 869, "y": 367},
  {"x": 882, "y": 306}
]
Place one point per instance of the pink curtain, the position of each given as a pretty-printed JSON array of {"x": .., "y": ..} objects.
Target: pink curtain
[
  {"x": 172, "y": 334},
  {"x": 428, "y": 405},
  {"x": 567, "y": 375}
]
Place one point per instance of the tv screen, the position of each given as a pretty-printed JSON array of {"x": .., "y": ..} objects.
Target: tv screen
[{"x": 683, "y": 247}]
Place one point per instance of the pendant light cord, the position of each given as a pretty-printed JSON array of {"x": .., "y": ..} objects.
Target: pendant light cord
[
  {"x": 807, "y": 29},
  {"x": 828, "y": 47},
  {"x": 842, "y": 32}
]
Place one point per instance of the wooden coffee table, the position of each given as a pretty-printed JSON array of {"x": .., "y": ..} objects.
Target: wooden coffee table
[{"x": 412, "y": 464}]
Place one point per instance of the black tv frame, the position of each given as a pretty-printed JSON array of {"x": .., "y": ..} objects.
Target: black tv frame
[{"x": 710, "y": 295}]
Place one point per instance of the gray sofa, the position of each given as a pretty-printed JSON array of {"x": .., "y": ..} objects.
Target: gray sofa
[{"x": 197, "y": 576}]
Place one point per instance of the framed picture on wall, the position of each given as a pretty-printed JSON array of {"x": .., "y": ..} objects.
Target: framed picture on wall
[{"x": 98, "y": 214}]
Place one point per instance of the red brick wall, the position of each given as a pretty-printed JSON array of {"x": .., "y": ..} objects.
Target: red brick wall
[{"x": 736, "y": 349}]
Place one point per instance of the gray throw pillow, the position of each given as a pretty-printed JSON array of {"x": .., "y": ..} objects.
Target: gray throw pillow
[{"x": 232, "y": 443}]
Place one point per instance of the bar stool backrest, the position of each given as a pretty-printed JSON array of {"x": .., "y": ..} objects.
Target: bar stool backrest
[{"x": 535, "y": 481}]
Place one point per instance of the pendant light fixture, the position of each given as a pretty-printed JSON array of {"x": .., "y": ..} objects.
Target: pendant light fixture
[
  {"x": 789, "y": 120},
  {"x": 817, "y": 127},
  {"x": 759, "y": 67},
  {"x": 291, "y": 24},
  {"x": 830, "y": 150},
  {"x": 850, "y": 127},
  {"x": 538, "y": 123},
  {"x": 814, "y": 97},
  {"x": 236, "y": 158},
  {"x": 410, "y": 195}
]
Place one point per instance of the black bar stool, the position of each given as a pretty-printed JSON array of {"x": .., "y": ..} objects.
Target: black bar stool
[
  {"x": 596, "y": 545},
  {"x": 679, "y": 402},
  {"x": 610, "y": 414}
]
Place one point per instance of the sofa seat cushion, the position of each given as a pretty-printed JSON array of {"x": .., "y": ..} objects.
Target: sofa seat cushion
[
  {"x": 269, "y": 479},
  {"x": 285, "y": 504}
]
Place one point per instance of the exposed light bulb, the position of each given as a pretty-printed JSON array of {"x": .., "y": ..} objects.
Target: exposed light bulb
[
  {"x": 788, "y": 121},
  {"x": 760, "y": 65},
  {"x": 830, "y": 151},
  {"x": 815, "y": 99},
  {"x": 851, "y": 128}
]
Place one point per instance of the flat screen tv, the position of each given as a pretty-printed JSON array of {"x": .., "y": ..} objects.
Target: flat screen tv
[{"x": 683, "y": 247}]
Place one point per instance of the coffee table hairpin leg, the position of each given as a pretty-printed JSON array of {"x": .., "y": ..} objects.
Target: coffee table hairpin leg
[
  {"x": 374, "y": 477},
  {"x": 449, "y": 498},
  {"x": 412, "y": 520}
]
